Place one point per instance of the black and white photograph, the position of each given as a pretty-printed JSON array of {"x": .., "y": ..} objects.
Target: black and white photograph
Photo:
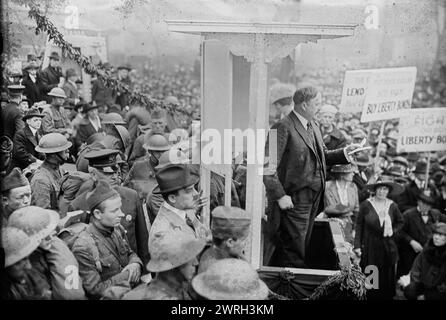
[{"x": 228, "y": 150}]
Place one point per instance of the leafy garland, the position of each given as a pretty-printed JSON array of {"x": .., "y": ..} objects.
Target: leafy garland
[
  {"x": 44, "y": 25},
  {"x": 347, "y": 284}
]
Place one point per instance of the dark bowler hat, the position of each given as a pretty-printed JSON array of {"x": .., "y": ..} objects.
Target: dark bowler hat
[
  {"x": 99, "y": 194},
  {"x": 394, "y": 188},
  {"x": 102, "y": 159},
  {"x": 54, "y": 55},
  {"x": 421, "y": 167},
  {"x": 15, "y": 179},
  {"x": 32, "y": 113},
  {"x": 174, "y": 177},
  {"x": 426, "y": 197},
  {"x": 363, "y": 160},
  {"x": 230, "y": 222}
]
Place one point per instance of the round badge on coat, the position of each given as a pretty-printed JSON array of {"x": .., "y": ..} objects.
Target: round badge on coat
[{"x": 128, "y": 218}]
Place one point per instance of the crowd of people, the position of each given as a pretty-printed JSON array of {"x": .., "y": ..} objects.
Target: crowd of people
[{"x": 126, "y": 222}]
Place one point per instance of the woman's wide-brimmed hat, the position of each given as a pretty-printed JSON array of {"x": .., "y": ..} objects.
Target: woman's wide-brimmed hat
[
  {"x": 342, "y": 168},
  {"x": 394, "y": 188}
]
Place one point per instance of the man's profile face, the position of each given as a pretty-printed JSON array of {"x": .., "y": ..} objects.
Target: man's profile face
[
  {"x": 185, "y": 198},
  {"x": 111, "y": 215},
  {"x": 313, "y": 105}
]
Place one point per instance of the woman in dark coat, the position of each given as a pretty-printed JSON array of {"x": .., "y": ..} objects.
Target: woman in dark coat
[
  {"x": 378, "y": 221},
  {"x": 428, "y": 274}
]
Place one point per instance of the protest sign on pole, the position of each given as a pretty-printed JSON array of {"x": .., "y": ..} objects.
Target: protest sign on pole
[
  {"x": 354, "y": 90},
  {"x": 422, "y": 130},
  {"x": 389, "y": 92}
]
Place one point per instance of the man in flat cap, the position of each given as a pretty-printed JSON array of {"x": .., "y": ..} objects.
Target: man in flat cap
[
  {"x": 103, "y": 165},
  {"x": 16, "y": 192},
  {"x": 51, "y": 77},
  {"x": 332, "y": 136},
  {"x": 11, "y": 114},
  {"x": 102, "y": 250},
  {"x": 230, "y": 229},
  {"x": 176, "y": 183}
]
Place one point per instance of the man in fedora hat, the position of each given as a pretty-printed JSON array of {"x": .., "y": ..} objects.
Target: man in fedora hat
[
  {"x": 70, "y": 88},
  {"x": 89, "y": 125},
  {"x": 51, "y": 77},
  {"x": 45, "y": 183},
  {"x": 56, "y": 117},
  {"x": 281, "y": 97},
  {"x": 16, "y": 192},
  {"x": 176, "y": 183},
  {"x": 230, "y": 229},
  {"x": 103, "y": 165},
  {"x": 11, "y": 114},
  {"x": 105, "y": 258},
  {"x": 409, "y": 197},
  {"x": 31, "y": 82},
  {"x": 27, "y": 139},
  {"x": 419, "y": 223},
  {"x": 174, "y": 260}
]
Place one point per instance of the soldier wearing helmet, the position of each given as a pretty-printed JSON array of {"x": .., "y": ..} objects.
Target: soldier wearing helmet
[
  {"x": 332, "y": 136},
  {"x": 174, "y": 260},
  {"x": 230, "y": 229},
  {"x": 16, "y": 192},
  {"x": 158, "y": 126},
  {"x": 52, "y": 258},
  {"x": 105, "y": 257},
  {"x": 144, "y": 168},
  {"x": 21, "y": 281},
  {"x": 103, "y": 165},
  {"x": 45, "y": 183},
  {"x": 56, "y": 117}
]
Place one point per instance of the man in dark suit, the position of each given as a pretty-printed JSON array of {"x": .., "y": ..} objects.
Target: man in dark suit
[
  {"x": 89, "y": 125},
  {"x": 51, "y": 77},
  {"x": 31, "y": 81},
  {"x": 11, "y": 114},
  {"x": 27, "y": 139},
  {"x": 419, "y": 223},
  {"x": 295, "y": 186}
]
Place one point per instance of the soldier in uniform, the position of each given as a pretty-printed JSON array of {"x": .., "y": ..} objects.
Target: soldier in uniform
[
  {"x": 11, "y": 114},
  {"x": 16, "y": 192},
  {"x": 56, "y": 117},
  {"x": 230, "y": 229},
  {"x": 176, "y": 184},
  {"x": 174, "y": 259},
  {"x": 144, "y": 168},
  {"x": 102, "y": 249},
  {"x": 20, "y": 281},
  {"x": 103, "y": 166},
  {"x": 45, "y": 183},
  {"x": 52, "y": 259}
]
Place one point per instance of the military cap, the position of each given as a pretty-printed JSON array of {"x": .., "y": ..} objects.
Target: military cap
[
  {"x": 57, "y": 92},
  {"x": 230, "y": 279},
  {"x": 102, "y": 158},
  {"x": 230, "y": 222},
  {"x": 17, "y": 244},
  {"x": 15, "y": 89},
  {"x": 52, "y": 143},
  {"x": 155, "y": 142},
  {"x": 174, "y": 177},
  {"x": 15, "y": 179},
  {"x": 99, "y": 194}
]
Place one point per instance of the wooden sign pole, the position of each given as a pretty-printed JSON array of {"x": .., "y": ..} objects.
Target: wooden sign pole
[
  {"x": 426, "y": 185},
  {"x": 380, "y": 138}
]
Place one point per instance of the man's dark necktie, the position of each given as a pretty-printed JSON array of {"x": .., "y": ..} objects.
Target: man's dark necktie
[{"x": 311, "y": 136}]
